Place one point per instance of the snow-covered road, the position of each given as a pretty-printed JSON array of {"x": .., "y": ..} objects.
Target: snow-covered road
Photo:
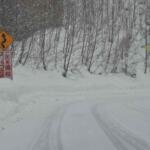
[
  {"x": 75, "y": 116},
  {"x": 88, "y": 126},
  {"x": 83, "y": 125}
]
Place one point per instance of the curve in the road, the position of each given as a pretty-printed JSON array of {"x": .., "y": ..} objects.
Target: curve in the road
[{"x": 120, "y": 137}]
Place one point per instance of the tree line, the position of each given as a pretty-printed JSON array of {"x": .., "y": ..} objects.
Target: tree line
[{"x": 103, "y": 36}]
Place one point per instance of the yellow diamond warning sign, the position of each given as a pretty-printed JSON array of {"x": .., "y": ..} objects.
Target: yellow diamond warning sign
[{"x": 5, "y": 40}]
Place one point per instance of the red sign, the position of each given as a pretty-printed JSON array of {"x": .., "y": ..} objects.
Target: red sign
[{"x": 6, "y": 64}]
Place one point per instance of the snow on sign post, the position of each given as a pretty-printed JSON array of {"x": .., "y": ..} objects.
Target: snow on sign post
[{"x": 5, "y": 55}]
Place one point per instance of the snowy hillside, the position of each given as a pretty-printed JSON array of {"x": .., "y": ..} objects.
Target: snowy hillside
[{"x": 101, "y": 36}]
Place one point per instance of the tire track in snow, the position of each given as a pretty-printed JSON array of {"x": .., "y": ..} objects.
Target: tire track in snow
[
  {"x": 55, "y": 141},
  {"x": 120, "y": 137},
  {"x": 50, "y": 137}
]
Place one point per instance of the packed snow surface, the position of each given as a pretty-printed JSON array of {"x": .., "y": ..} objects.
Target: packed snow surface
[{"x": 44, "y": 111}]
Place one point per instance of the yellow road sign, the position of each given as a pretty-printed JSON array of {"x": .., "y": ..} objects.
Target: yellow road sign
[
  {"x": 5, "y": 40},
  {"x": 147, "y": 47}
]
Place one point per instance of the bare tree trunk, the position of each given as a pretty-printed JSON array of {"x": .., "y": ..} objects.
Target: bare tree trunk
[
  {"x": 146, "y": 52},
  {"x": 29, "y": 50},
  {"x": 42, "y": 53},
  {"x": 23, "y": 44}
]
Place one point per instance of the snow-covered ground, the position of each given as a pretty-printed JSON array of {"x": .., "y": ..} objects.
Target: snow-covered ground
[{"x": 44, "y": 111}]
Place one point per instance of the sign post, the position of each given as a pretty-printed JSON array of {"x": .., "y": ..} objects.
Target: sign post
[{"x": 5, "y": 55}]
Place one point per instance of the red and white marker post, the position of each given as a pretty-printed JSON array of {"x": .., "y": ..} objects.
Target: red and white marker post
[
  {"x": 5, "y": 55},
  {"x": 6, "y": 64}
]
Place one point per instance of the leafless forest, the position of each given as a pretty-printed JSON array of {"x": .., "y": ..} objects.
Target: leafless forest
[{"x": 101, "y": 36}]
